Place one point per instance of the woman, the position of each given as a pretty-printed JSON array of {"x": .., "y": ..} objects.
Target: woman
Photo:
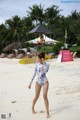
[{"x": 41, "y": 69}]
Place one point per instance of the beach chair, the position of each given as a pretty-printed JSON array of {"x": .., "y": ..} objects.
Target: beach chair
[
  {"x": 21, "y": 53},
  {"x": 19, "y": 56},
  {"x": 3, "y": 55},
  {"x": 10, "y": 56},
  {"x": 15, "y": 52},
  {"x": 71, "y": 53},
  {"x": 74, "y": 54},
  {"x": 29, "y": 55}
]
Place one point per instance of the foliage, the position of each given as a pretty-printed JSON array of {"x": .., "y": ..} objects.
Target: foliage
[
  {"x": 16, "y": 29},
  {"x": 54, "y": 48},
  {"x": 45, "y": 48},
  {"x": 36, "y": 13},
  {"x": 57, "y": 47},
  {"x": 75, "y": 49},
  {"x": 26, "y": 45}
]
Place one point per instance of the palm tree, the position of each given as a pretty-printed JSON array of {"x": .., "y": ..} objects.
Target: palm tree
[
  {"x": 52, "y": 17},
  {"x": 74, "y": 27},
  {"x": 52, "y": 11},
  {"x": 14, "y": 27},
  {"x": 3, "y": 32},
  {"x": 36, "y": 12},
  {"x": 27, "y": 26}
]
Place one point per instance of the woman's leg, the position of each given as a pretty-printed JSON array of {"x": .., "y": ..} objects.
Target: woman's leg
[
  {"x": 45, "y": 91},
  {"x": 37, "y": 93}
]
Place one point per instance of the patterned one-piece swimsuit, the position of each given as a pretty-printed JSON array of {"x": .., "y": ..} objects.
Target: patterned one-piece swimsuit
[{"x": 41, "y": 70}]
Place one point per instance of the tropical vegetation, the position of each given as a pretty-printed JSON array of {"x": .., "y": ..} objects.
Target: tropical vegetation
[{"x": 17, "y": 29}]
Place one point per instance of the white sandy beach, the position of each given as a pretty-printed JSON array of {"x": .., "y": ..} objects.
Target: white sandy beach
[{"x": 64, "y": 90}]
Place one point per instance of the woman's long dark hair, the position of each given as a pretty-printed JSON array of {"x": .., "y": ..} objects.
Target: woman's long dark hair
[{"x": 41, "y": 55}]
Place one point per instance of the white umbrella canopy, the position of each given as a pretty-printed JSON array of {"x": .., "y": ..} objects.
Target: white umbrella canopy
[
  {"x": 33, "y": 41},
  {"x": 47, "y": 40}
]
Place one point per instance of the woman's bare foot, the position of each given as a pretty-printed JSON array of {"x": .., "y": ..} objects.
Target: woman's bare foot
[
  {"x": 33, "y": 111},
  {"x": 48, "y": 116}
]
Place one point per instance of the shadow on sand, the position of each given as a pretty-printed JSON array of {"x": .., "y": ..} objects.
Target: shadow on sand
[{"x": 57, "y": 110}]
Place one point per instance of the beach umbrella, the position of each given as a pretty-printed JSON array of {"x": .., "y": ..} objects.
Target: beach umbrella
[
  {"x": 40, "y": 29},
  {"x": 12, "y": 46},
  {"x": 47, "y": 40}
]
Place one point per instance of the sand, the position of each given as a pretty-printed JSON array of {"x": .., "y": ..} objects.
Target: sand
[{"x": 64, "y": 91}]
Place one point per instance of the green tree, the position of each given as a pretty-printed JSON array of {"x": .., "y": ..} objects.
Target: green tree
[
  {"x": 14, "y": 27},
  {"x": 27, "y": 26},
  {"x": 74, "y": 27},
  {"x": 36, "y": 12},
  {"x": 3, "y": 32},
  {"x": 52, "y": 16}
]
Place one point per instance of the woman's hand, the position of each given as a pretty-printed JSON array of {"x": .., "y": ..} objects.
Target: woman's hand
[{"x": 29, "y": 86}]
